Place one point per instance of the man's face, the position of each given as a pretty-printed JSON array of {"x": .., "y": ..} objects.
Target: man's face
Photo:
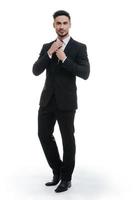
[{"x": 62, "y": 25}]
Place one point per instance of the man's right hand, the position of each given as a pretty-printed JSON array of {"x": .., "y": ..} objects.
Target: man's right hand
[{"x": 54, "y": 47}]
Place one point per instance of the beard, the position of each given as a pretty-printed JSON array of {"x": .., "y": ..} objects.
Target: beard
[{"x": 60, "y": 35}]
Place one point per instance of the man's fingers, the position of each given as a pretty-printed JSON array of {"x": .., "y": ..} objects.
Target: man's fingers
[
  {"x": 55, "y": 46},
  {"x": 59, "y": 43}
]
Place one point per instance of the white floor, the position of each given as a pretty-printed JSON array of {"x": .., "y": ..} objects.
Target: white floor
[
  {"x": 86, "y": 184},
  {"x": 28, "y": 182}
]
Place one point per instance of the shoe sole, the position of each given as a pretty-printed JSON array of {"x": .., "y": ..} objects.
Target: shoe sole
[{"x": 63, "y": 190}]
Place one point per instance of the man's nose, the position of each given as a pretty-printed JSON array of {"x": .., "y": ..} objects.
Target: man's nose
[{"x": 62, "y": 25}]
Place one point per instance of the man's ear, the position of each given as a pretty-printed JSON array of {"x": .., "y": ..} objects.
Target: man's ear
[{"x": 70, "y": 24}]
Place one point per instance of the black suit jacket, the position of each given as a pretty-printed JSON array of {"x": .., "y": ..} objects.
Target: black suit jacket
[{"x": 61, "y": 77}]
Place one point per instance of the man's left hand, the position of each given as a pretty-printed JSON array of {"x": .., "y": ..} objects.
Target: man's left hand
[{"x": 60, "y": 54}]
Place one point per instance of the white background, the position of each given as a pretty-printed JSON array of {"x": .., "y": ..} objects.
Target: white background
[{"x": 105, "y": 119}]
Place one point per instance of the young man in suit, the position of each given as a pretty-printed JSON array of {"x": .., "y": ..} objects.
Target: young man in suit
[{"x": 63, "y": 59}]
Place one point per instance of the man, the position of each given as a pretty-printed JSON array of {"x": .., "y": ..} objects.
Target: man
[{"x": 63, "y": 59}]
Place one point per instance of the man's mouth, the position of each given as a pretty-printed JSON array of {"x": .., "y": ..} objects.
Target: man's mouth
[{"x": 61, "y": 31}]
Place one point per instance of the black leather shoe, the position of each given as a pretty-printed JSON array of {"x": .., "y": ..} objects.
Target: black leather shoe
[
  {"x": 63, "y": 186},
  {"x": 55, "y": 181}
]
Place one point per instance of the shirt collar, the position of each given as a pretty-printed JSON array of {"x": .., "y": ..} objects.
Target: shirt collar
[{"x": 66, "y": 40}]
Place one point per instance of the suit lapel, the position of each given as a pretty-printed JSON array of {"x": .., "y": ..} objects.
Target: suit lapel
[{"x": 68, "y": 46}]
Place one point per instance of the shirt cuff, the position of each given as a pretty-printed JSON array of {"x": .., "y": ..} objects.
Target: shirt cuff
[
  {"x": 64, "y": 60},
  {"x": 50, "y": 56}
]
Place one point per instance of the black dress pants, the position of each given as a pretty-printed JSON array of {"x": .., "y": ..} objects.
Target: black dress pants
[{"x": 47, "y": 117}]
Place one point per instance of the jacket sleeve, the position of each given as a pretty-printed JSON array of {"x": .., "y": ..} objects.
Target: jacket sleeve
[
  {"x": 42, "y": 62},
  {"x": 81, "y": 67}
]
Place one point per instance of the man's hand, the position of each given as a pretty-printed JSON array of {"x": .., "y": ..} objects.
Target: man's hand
[
  {"x": 60, "y": 54},
  {"x": 54, "y": 47}
]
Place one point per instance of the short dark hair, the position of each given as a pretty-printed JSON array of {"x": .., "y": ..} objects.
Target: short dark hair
[{"x": 61, "y": 12}]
